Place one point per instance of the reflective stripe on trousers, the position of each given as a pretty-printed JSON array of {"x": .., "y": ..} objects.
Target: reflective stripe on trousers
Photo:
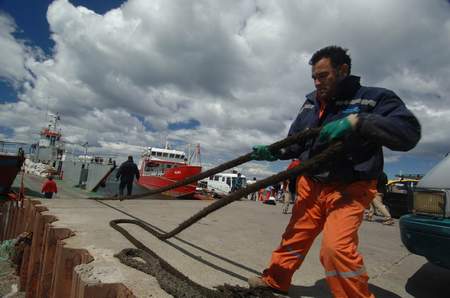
[
  {"x": 293, "y": 252},
  {"x": 338, "y": 211}
]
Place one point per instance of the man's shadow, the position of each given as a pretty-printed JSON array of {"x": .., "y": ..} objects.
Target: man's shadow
[
  {"x": 321, "y": 290},
  {"x": 429, "y": 281}
]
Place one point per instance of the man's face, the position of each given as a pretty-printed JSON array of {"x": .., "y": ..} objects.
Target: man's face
[{"x": 326, "y": 78}]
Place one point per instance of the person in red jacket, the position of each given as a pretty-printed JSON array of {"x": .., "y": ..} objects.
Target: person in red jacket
[{"x": 49, "y": 187}]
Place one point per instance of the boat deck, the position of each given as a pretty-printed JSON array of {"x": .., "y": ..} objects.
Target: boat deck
[{"x": 33, "y": 185}]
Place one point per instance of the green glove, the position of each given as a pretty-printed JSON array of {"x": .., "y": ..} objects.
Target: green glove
[
  {"x": 262, "y": 152},
  {"x": 335, "y": 130}
]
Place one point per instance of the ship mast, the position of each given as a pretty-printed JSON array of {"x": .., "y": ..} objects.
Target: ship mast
[{"x": 194, "y": 156}]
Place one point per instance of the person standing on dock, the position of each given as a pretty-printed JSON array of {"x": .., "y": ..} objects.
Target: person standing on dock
[
  {"x": 332, "y": 200},
  {"x": 127, "y": 171},
  {"x": 289, "y": 187},
  {"x": 49, "y": 187},
  {"x": 238, "y": 183},
  {"x": 377, "y": 203}
]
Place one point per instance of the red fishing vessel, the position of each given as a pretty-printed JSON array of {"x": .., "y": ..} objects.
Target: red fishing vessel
[{"x": 161, "y": 167}]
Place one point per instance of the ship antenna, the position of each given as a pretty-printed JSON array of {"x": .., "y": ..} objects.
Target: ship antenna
[{"x": 198, "y": 154}]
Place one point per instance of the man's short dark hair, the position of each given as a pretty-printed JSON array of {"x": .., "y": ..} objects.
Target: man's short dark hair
[
  {"x": 130, "y": 158},
  {"x": 337, "y": 56}
]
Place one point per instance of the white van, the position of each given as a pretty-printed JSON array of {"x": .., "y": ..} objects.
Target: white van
[{"x": 223, "y": 183}]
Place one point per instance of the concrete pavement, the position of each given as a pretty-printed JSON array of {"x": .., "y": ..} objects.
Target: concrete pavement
[
  {"x": 228, "y": 246},
  {"x": 234, "y": 243}
]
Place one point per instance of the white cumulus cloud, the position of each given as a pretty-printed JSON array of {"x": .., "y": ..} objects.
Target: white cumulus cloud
[{"x": 238, "y": 69}]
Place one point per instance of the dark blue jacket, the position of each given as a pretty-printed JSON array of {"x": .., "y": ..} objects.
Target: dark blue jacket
[
  {"x": 127, "y": 171},
  {"x": 384, "y": 120}
]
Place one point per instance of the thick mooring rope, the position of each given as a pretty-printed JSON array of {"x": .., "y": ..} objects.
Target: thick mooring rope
[
  {"x": 173, "y": 281},
  {"x": 179, "y": 285},
  {"x": 294, "y": 139},
  {"x": 320, "y": 161}
]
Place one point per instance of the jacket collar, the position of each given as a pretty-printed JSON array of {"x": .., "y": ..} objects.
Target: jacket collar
[{"x": 346, "y": 89}]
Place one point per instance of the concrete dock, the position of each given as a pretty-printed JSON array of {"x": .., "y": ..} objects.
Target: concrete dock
[{"x": 228, "y": 246}]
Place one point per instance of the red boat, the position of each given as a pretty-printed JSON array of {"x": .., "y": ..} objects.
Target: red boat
[
  {"x": 10, "y": 165},
  {"x": 162, "y": 167}
]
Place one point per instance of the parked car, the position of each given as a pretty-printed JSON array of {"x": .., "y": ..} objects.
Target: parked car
[
  {"x": 399, "y": 196},
  {"x": 426, "y": 232}
]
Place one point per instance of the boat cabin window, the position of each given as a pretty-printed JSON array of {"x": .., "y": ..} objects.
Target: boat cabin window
[
  {"x": 229, "y": 181},
  {"x": 153, "y": 153},
  {"x": 165, "y": 154},
  {"x": 158, "y": 153},
  {"x": 216, "y": 178},
  {"x": 211, "y": 178},
  {"x": 171, "y": 155},
  {"x": 151, "y": 165}
]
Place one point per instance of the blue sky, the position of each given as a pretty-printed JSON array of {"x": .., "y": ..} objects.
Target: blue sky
[
  {"x": 30, "y": 17},
  {"x": 228, "y": 75}
]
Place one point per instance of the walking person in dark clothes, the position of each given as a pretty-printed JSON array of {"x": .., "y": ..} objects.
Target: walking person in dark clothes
[{"x": 126, "y": 173}]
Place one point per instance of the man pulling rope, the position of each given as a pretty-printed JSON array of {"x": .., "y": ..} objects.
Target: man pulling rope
[{"x": 333, "y": 201}]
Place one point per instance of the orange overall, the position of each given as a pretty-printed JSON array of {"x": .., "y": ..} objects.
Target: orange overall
[{"x": 338, "y": 210}]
